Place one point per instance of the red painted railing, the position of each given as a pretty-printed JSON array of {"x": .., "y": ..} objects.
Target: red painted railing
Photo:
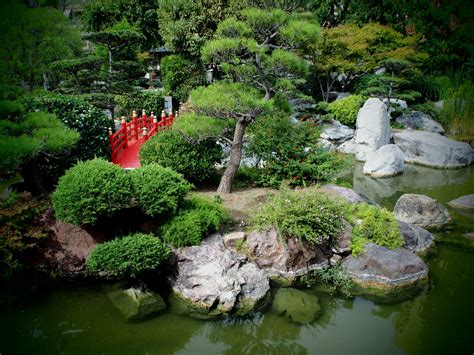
[{"x": 138, "y": 130}]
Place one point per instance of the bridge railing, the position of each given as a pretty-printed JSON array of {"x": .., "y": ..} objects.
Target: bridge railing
[{"x": 137, "y": 131}]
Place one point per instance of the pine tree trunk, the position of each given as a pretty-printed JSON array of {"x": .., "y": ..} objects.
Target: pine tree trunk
[{"x": 225, "y": 185}]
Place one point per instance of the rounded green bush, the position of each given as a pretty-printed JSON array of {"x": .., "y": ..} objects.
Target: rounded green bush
[
  {"x": 128, "y": 256},
  {"x": 346, "y": 109},
  {"x": 195, "y": 159},
  {"x": 197, "y": 218},
  {"x": 90, "y": 190},
  {"x": 158, "y": 190}
]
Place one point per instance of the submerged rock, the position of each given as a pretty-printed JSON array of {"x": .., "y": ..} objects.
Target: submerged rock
[
  {"x": 285, "y": 262},
  {"x": 298, "y": 306},
  {"x": 463, "y": 202},
  {"x": 209, "y": 281},
  {"x": 346, "y": 193},
  {"x": 433, "y": 150},
  {"x": 386, "y": 275},
  {"x": 136, "y": 304},
  {"x": 417, "y": 239},
  {"x": 422, "y": 211},
  {"x": 420, "y": 120},
  {"x": 385, "y": 161}
]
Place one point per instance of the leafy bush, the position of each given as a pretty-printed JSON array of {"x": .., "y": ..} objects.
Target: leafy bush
[
  {"x": 11, "y": 109},
  {"x": 150, "y": 101},
  {"x": 372, "y": 224},
  {"x": 90, "y": 190},
  {"x": 290, "y": 152},
  {"x": 338, "y": 279},
  {"x": 128, "y": 256},
  {"x": 197, "y": 218},
  {"x": 195, "y": 159},
  {"x": 158, "y": 190},
  {"x": 309, "y": 216},
  {"x": 346, "y": 109}
]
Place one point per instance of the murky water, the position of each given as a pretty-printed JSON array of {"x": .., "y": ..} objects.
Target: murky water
[{"x": 81, "y": 320}]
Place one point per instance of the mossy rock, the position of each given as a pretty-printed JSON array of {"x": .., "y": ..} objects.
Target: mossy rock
[
  {"x": 183, "y": 306},
  {"x": 136, "y": 304},
  {"x": 296, "y": 305}
]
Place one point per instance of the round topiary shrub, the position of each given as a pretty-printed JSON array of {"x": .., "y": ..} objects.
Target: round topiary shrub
[
  {"x": 90, "y": 190},
  {"x": 158, "y": 190},
  {"x": 129, "y": 256},
  {"x": 197, "y": 218},
  {"x": 195, "y": 159},
  {"x": 346, "y": 109}
]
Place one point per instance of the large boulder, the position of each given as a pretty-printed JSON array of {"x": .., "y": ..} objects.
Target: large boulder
[
  {"x": 421, "y": 210},
  {"x": 336, "y": 133},
  {"x": 417, "y": 239},
  {"x": 433, "y": 150},
  {"x": 348, "y": 147},
  {"x": 384, "y": 162},
  {"x": 420, "y": 120},
  {"x": 463, "y": 202},
  {"x": 285, "y": 262},
  {"x": 344, "y": 192},
  {"x": 136, "y": 304},
  {"x": 386, "y": 275},
  {"x": 298, "y": 306},
  {"x": 372, "y": 128},
  {"x": 210, "y": 281}
]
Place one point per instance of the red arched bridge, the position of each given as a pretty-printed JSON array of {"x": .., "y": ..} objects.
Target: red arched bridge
[{"x": 126, "y": 142}]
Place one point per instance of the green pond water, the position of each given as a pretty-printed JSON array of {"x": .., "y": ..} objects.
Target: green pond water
[{"x": 76, "y": 319}]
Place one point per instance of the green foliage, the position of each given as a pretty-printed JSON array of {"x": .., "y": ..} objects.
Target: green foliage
[
  {"x": 338, "y": 280},
  {"x": 91, "y": 190},
  {"x": 10, "y": 109},
  {"x": 195, "y": 159},
  {"x": 129, "y": 256},
  {"x": 180, "y": 75},
  {"x": 346, "y": 109},
  {"x": 372, "y": 224},
  {"x": 150, "y": 101},
  {"x": 199, "y": 127},
  {"x": 197, "y": 218},
  {"x": 290, "y": 152},
  {"x": 158, "y": 190},
  {"x": 308, "y": 216}
]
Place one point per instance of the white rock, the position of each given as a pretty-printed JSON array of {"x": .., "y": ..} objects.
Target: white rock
[
  {"x": 386, "y": 161},
  {"x": 348, "y": 147},
  {"x": 434, "y": 150},
  {"x": 420, "y": 120},
  {"x": 231, "y": 239},
  {"x": 336, "y": 133}
]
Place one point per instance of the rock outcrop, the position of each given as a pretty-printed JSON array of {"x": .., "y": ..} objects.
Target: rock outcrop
[
  {"x": 422, "y": 211},
  {"x": 285, "y": 262},
  {"x": 417, "y": 239},
  {"x": 296, "y": 305},
  {"x": 386, "y": 161},
  {"x": 346, "y": 193},
  {"x": 386, "y": 275},
  {"x": 372, "y": 128},
  {"x": 420, "y": 120},
  {"x": 433, "y": 150},
  {"x": 209, "y": 281},
  {"x": 463, "y": 202}
]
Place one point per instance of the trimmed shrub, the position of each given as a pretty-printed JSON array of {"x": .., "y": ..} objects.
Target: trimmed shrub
[
  {"x": 150, "y": 101},
  {"x": 91, "y": 190},
  {"x": 10, "y": 109},
  {"x": 346, "y": 109},
  {"x": 197, "y": 218},
  {"x": 158, "y": 190},
  {"x": 306, "y": 215},
  {"x": 128, "y": 256},
  {"x": 195, "y": 159}
]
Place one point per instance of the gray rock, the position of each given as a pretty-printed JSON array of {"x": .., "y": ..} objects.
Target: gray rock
[
  {"x": 335, "y": 259},
  {"x": 417, "y": 239},
  {"x": 372, "y": 128},
  {"x": 469, "y": 235},
  {"x": 399, "y": 102},
  {"x": 343, "y": 241},
  {"x": 285, "y": 263},
  {"x": 421, "y": 210},
  {"x": 346, "y": 193},
  {"x": 327, "y": 144},
  {"x": 386, "y": 161},
  {"x": 342, "y": 95},
  {"x": 348, "y": 147},
  {"x": 296, "y": 305},
  {"x": 336, "y": 133},
  {"x": 136, "y": 303},
  {"x": 212, "y": 281},
  {"x": 433, "y": 150},
  {"x": 463, "y": 202},
  {"x": 420, "y": 120},
  {"x": 386, "y": 275},
  {"x": 232, "y": 239}
]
